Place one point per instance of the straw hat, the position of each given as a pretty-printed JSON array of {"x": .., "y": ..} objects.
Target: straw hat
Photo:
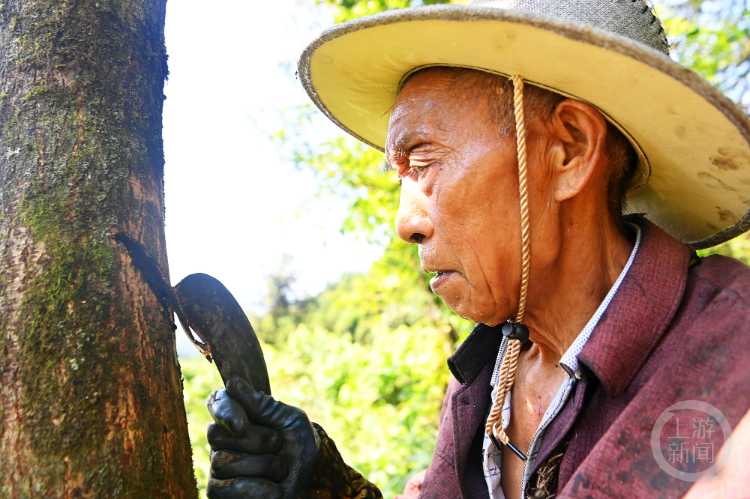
[{"x": 694, "y": 173}]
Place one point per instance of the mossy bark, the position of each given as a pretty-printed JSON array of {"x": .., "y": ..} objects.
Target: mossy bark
[{"x": 90, "y": 396}]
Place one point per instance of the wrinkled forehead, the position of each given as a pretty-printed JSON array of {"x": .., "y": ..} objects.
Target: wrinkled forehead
[{"x": 430, "y": 103}]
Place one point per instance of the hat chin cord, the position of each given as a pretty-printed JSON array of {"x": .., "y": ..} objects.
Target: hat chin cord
[{"x": 516, "y": 332}]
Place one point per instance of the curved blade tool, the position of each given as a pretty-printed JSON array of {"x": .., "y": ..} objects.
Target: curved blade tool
[{"x": 216, "y": 317}]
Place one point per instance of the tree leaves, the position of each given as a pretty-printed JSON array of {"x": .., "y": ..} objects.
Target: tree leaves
[
  {"x": 351, "y": 9},
  {"x": 712, "y": 37}
]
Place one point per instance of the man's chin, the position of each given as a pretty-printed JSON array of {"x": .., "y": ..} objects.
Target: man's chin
[
  {"x": 465, "y": 308},
  {"x": 460, "y": 307}
]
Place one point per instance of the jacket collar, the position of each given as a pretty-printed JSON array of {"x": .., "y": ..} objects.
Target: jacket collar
[
  {"x": 479, "y": 348},
  {"x": 640, "y": 311}
]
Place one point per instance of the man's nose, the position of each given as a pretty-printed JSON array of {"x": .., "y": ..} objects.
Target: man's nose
[{"x": 413, "y": 223}]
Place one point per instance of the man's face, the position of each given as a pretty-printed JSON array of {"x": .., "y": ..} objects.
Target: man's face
[{"x": 459, "y": 196}]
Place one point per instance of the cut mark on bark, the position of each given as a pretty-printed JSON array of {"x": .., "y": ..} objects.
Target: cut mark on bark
[{"x": 164, "y": 293}]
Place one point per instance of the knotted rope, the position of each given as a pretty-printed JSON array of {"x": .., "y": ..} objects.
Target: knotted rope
[{"x": 494, "y": 427}]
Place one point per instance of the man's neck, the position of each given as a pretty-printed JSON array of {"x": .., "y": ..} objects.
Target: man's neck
[{"x": 590, "y": 257}]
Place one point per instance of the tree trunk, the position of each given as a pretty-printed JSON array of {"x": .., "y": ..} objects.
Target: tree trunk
[{"x": 91, "y": 399}]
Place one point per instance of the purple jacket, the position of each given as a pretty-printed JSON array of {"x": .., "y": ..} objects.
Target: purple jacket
[{"x": 677, "y": 329}]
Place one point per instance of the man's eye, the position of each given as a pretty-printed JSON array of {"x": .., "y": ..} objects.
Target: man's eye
[
  {"x": 413, "y": 172},
  {"x": 418, "y": 171}
]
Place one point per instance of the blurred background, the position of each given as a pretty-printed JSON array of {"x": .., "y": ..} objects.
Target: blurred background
[{"x": 295, "y": 219}]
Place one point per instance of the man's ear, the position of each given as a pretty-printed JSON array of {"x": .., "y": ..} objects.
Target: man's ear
[{"x": 580, "y": 133}]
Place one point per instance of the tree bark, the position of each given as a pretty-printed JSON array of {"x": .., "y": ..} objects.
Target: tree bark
[{"x": 91, "y": 399}]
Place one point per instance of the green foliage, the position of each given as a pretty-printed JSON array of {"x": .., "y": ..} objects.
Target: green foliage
[
  {"x": 369, "y": 395},
  {"x": 738, "y": 248},
  {"x": 200, "y": 378},
  {"x": 712, "y": 37},
  {"x": 285, "y": 309},
  {"x": 350, "y": 9}
]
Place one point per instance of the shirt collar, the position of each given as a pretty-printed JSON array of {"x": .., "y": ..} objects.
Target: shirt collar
[{"x": 640, "y": 312}]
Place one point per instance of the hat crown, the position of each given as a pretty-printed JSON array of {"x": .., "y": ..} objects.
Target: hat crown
[{"x": 631, "y": 18}]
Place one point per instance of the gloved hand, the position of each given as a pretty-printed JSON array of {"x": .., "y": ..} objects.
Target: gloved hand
[{"x": 261, "y": 448}]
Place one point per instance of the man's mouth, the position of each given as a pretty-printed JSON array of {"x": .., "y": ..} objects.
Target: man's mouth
[{"x": 440, "y": 277}]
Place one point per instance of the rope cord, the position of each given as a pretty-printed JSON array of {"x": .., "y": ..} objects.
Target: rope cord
[
  {"x": 509, "y": 366},
  {"x": 523, "y": 190}
]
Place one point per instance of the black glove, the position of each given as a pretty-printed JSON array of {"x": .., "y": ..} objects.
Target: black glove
[{"x": 261, "y": 448}]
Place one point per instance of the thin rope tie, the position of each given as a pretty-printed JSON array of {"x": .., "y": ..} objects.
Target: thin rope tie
[
  {"x": 509, "y": 366},
  {"x": 523, "y": 189}
]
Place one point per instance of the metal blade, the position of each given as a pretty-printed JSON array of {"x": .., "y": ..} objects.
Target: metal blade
[{"x": 213, "y": 313}]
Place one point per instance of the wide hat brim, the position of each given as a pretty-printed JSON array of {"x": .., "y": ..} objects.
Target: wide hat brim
[{"x": 694, "y": 180}]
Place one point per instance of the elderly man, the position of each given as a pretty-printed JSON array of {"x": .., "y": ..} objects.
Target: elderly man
[{"x": 521, "y": 132}]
